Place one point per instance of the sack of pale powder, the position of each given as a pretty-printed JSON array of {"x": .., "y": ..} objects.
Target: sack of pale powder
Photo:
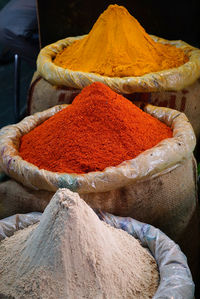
[{"x": 50, "y": 259}]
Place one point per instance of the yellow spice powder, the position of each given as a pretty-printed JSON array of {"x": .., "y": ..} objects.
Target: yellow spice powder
[{"x": 118, "y": 46}]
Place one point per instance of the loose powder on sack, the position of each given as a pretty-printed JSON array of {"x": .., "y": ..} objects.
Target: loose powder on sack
[
  {"x": 72, "y": 254},
  {"x": 99, "y": 129},
  {"x": 118, "y": 46}
]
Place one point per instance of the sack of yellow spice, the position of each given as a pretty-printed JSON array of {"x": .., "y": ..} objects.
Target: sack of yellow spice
[
  {"x": 158, "y": 186},
  {"x": 118, "y": 52}
]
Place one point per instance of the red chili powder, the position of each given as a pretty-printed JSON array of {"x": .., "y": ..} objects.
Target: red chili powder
[{"x": 99, "y": 129}]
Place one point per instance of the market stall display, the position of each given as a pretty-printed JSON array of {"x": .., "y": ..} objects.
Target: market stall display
[
  {"x": 157, "y": 187},
  {"x": 118, "y": 158}
]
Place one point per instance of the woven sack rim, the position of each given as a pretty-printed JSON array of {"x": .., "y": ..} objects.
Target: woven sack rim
[{"x": 170, "y": 79}]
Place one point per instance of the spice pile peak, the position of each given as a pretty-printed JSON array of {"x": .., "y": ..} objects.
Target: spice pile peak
[
  {"x": 118, "y": 46},
  {"x": 99, "y": 129}
]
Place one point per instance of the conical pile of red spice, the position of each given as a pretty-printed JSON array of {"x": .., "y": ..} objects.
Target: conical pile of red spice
[{"x": 99, "y": 129}]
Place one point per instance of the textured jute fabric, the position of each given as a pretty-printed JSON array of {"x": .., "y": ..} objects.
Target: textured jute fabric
[
  {"x": 16, "y": 198},
  {"x": 42, "y": 95}
]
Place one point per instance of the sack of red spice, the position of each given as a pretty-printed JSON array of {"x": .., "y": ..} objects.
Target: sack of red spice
[
  {"x": 101, "y": 188},
  {"x": 120, "y": 189},
  {"x": 157, "y": 187}
]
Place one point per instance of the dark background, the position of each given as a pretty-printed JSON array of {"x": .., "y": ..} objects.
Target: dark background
[{"x": 168, "y": 19}]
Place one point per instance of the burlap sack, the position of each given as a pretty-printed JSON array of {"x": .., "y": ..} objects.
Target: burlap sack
[
  {"x": 177, "y": 88},
  {"x": 160, "y": 179},
  {"x": 16, "y": 198},
  {"x": 42, "y": 95},
  {"x": 186, "y": 100},
  {"x": 166, "y": 156},
  {"x": 154, "y": 200},
  {"x": 173, "y": 79},
  {"x": 157, "y": 187}
]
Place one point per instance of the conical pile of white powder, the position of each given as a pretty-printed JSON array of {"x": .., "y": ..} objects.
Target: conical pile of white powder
[{"x": 72, "y": 254}]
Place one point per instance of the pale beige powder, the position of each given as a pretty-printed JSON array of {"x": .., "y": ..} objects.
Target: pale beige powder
[{"x": 72, "y": 254}]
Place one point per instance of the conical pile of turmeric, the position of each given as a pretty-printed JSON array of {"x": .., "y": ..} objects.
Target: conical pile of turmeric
[{"x": 118, "y": 46}]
